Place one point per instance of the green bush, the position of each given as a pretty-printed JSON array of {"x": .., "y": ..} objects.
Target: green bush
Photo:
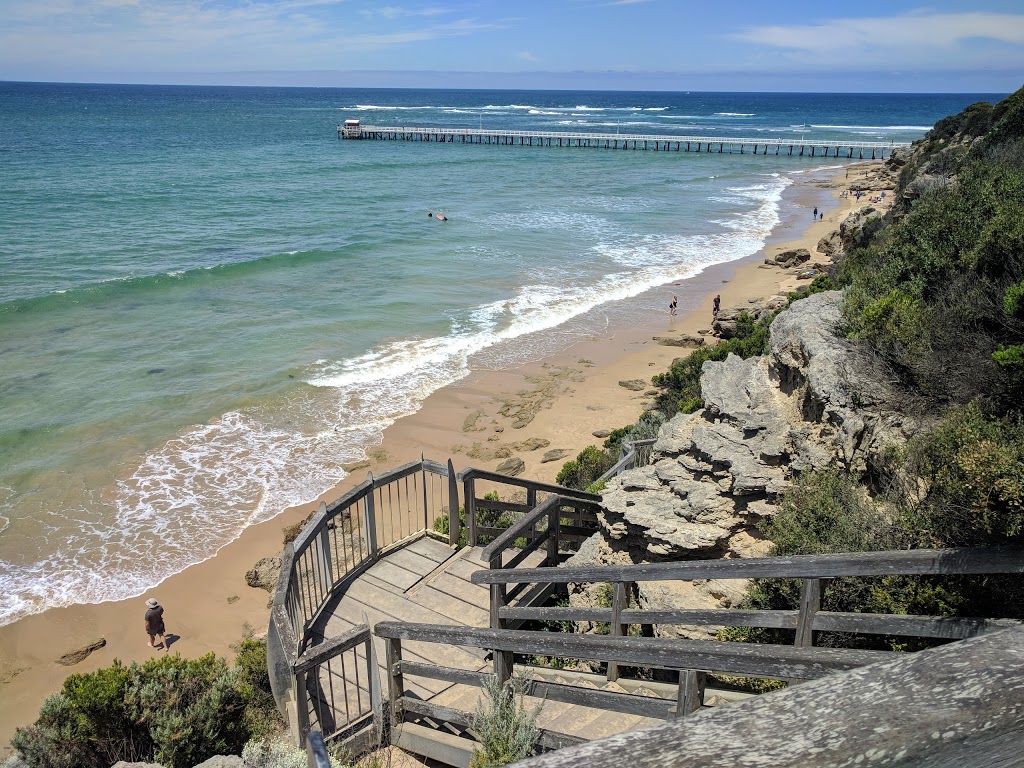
[
  {"x": 586, "y": 468},
  {"x": 680, "y": 385},
  {"x": 191, "y": 708},
  {"x": 505, "y": 730},
  {"x": 171, "y": 710}
]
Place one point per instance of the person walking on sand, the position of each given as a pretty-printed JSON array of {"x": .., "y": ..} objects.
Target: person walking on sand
[
  {"x": 716, "y": 305},
  {"x": 672, "y": 306},
  {"x": 155, "y": 623},
  {"x": 815, "y": 216}
]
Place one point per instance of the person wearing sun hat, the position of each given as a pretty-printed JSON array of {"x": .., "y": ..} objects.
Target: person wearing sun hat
[{"x": 155, "y": 623}]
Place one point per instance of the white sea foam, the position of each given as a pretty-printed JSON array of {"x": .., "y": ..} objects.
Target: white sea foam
[
  {"x": 877, "y": 127},
  {"x": 735, "y": 114},
  {"x": 199, "y": 491}
]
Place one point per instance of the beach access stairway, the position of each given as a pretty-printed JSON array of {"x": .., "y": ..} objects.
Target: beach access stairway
[{"x": 382, "y": 633}]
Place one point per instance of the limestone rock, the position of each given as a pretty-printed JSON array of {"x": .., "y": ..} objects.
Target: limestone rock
[
  {"x": 554, "y": 455},
  {"x": 831, "y": 243},
  {"x": 686, "y": 340},
  {"x": 724, "y": 324},
  {"x": 532, "y": 444},
  {"x": 635, "y": 385},
  {"x": 80, "y": 654},
  {"x": 792, "y": 258},
  {"x": 265, "y": 573},
  {"x": 601, "y": 433},
  {"x": 514, "y": 466},
  {"x": 222, "y": 761}
]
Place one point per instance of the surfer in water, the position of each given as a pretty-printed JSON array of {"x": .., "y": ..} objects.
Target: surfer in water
[{"x": 440, "y": 216}]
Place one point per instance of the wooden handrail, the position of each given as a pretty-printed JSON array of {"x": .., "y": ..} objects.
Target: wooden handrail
[
  {"x": 529, "y": 520},
  {"x": 917, "y": 562},
  {"x": 331, "y": 647},
  {"x": 472, "y": 473},
  {"x": 775, "y": 661}
]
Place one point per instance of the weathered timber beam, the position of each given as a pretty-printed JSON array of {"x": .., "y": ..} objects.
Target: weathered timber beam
[
  {"x": 920, "y": 562},
  {"x": 950, "y": 707},
  {"x": 776, "y": 661},
  {"x": 484, "y": 474},
  {"x": 514, "y": 531},
  {"x": 331, "y": 648},
  {"x": 951, "y": 627}
]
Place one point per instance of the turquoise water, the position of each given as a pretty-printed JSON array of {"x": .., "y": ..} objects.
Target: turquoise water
[{"x": 208, "y": 304}]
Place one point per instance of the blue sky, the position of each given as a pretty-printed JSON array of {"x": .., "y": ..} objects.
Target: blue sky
[{"x": 741, "y": 45}]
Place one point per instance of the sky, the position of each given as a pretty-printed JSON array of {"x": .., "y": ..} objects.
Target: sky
[{"x": 675, "y": 45}]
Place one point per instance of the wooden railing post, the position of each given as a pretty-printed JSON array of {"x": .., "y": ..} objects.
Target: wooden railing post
[
  {"x": 301, "y": 699},
  {"x": 423, "y": 479},
  {"x": 503, "y": 666},
  {"x": 396, "y": 684},
  {"x": 370, "y": 519},
  {"x": 531, "y": 497},
  {"x": 691, "y": 691},
  {"x": 554, "y": 526},
  {"x": 453, "y": 506},
  {"x": 620, "y": 603},
  {"x": 498, "y": 600},
  {"x": 373, "y": 678},
  {"x": 324, "y": 560},
  {"x": 469, "y": 489},
  {"x": 810, "y": 604}
]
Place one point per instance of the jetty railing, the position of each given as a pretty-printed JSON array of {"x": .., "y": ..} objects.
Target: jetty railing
[
  {"x": 653, "y": 142},
  {"x": 340, "y": 542}
]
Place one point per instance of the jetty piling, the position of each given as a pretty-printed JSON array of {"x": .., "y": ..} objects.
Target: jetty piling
[{"x": 352, "y": 129}]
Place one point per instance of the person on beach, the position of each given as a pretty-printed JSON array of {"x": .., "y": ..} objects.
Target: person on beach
[
  {"x": 672, "y": 306},
  {"x": 155, "y": 623},
  {"x": 815, "y": 215},
  {"x": 716, "y": 305}
]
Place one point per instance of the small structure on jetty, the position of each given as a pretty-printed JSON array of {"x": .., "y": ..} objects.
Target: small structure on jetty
[
  {"x": 352, "y": 129},
  {"x": 384, "y": 628}
]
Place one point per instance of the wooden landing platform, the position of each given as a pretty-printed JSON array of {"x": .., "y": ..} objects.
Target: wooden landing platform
[
  {"x": 426, "y": 581},
  {"x": 803, "y": 147}
]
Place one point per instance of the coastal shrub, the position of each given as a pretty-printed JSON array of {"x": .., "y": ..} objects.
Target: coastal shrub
[
  {"x": 504, "y": 728},
  {"x": 680, "y": 385},
  {"x": 260, "y": 716},
  {"x": 85, "y": 723},
  {"x": 817, "y": 285},
  {"x": 191, "y": 707},
  {"x": 973, "y": 467},
  {"x": 586, "y": 468},
  {"x": 170, "y": 710},
  {"x": 937, "y": 291}
]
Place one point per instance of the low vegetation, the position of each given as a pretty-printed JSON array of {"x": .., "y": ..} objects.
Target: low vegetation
[
  {"x": 502, "y": 725},
  {"x": 171, "y": 710}
]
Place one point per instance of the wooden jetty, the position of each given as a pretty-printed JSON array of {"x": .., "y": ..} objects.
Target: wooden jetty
[{"x": 353, "y": 129}]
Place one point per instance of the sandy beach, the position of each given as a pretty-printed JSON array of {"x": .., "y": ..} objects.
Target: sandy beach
[{"x": 562, "y": 399}]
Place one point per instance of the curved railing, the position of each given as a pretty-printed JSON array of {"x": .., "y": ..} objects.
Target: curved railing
[{"x": 338, "y": 544}]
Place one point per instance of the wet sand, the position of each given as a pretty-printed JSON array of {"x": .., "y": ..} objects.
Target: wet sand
[{"x": 561, "y": 399}]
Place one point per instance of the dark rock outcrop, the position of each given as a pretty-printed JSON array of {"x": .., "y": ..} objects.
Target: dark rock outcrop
[
  {"x": 265, "y": 573},
  {"x": 80, "y": 654}
]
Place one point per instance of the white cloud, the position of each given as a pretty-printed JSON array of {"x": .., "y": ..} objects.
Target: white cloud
[
  {"x": 526, "y": 56},
  {"x": 910, "y": 32}
]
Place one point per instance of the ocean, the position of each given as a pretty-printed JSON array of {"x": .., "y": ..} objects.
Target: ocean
[{"x": 209, "y": 304}]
